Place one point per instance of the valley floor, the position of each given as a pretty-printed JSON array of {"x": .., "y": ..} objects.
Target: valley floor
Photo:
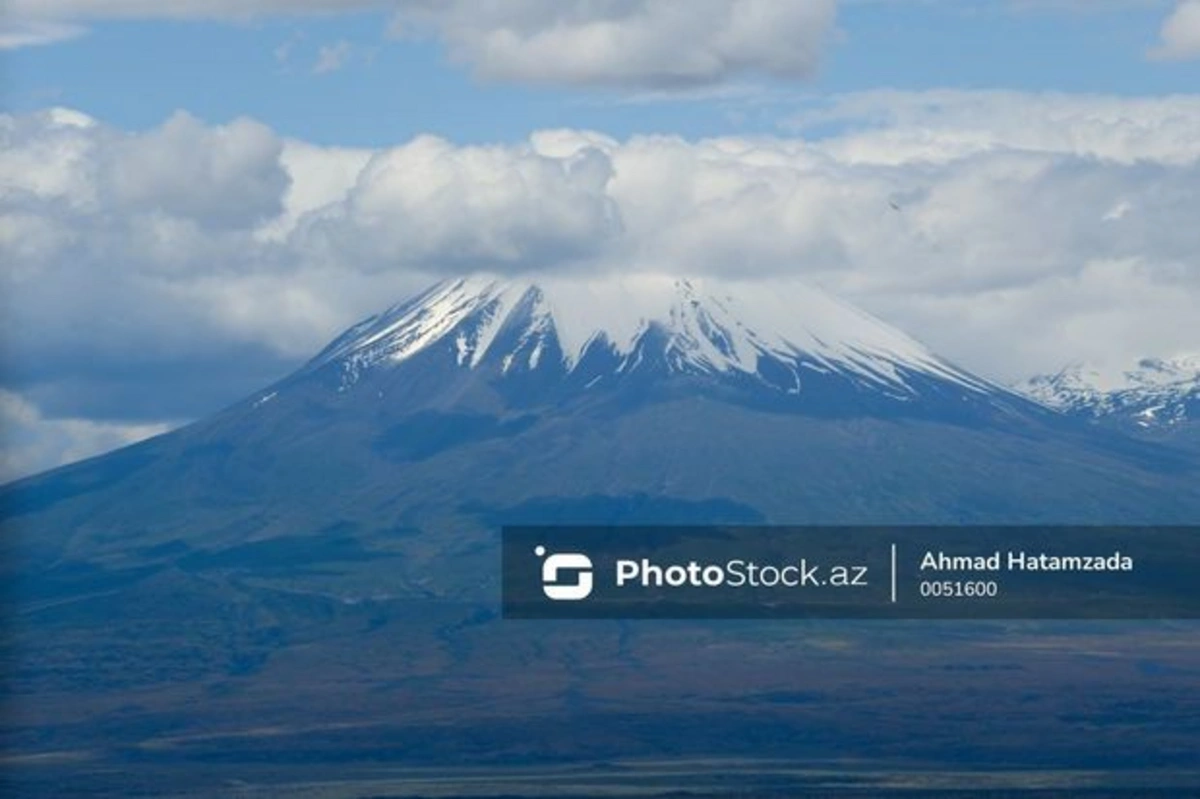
[{"x": 606, "y": 709}]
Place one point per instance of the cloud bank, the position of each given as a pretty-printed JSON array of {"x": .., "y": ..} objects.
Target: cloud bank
[{"x": 157, "y": 275}]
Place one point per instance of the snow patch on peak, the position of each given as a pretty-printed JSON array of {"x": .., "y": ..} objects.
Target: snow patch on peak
[
  {"x": 1073, "y": 386},
  {"x": 707, "y": 326},
  {"x": 408, "y": 328}
]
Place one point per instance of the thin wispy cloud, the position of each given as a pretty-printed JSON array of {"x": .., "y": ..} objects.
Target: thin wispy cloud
[
  {"x": 332, "y": 57},
  {"x": 16, "y": 34}
]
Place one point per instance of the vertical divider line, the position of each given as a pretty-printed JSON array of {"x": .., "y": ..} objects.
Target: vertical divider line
[{"x": 893, "y": 574}]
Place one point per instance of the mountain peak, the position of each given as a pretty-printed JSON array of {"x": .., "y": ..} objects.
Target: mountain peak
[
  {"x": 707, "y": 326},
  {"x": 1155, "y": 392}
]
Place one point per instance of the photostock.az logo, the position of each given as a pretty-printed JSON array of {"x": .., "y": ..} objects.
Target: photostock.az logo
[{"x": 566, "y": 576}]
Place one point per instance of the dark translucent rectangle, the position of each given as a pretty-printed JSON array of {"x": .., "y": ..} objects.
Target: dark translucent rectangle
[{"x": 554, "y": 572}]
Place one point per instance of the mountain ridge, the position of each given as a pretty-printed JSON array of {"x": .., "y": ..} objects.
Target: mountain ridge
[{"x": 1155, "y": 395}]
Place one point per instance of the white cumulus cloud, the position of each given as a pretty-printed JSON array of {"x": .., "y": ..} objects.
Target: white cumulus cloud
[
  {"x": 626, "y": 43},
  {"x": 431, "y": 203},
  {"x": 228, "y": 174},
  {"x": 1180, "y": 33}
]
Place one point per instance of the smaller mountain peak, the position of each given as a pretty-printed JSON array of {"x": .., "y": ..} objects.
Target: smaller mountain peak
[{"x": 1155, "y": 392}]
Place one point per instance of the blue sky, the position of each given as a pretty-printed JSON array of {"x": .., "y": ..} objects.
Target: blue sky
[
  {"x": 134, "y": 73},
  {"x": 196, "y": 195}
]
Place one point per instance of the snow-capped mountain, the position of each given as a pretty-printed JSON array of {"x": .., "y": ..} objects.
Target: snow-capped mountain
[
  {"x": 784, "y": 339},
  {"x": 344, "y": 522},
  {"x": 1156, "y": 393},
  {"x": 641, "y": 399}
]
